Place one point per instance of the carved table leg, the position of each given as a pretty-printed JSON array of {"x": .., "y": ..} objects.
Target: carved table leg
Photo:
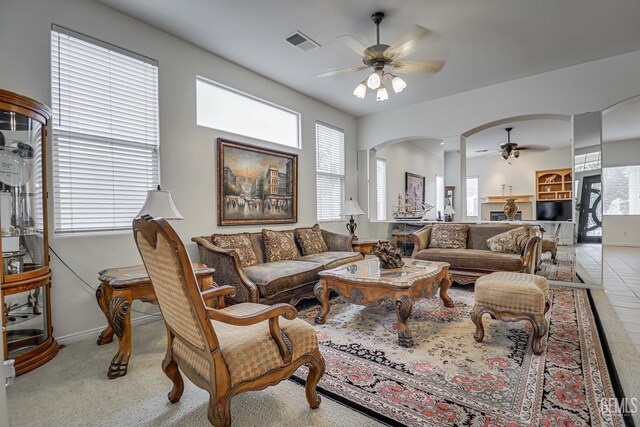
[
  {"x": 322, "y": 294},
  {"x": 103, "y": 296},
  {"x": 404, "y": 306},
  {"x": 120, "y": 320},
  {"x": 445, "y": 284}
]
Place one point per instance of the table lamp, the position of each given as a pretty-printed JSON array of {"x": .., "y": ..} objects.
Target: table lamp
[
  {"x": 160, "y": 204},
  {"x": 352, "y": 208},
  {"x": 448, "y": 213}
]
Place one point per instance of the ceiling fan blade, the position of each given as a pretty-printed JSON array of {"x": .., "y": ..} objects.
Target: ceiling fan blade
[
  {"x": 534, "y": 148},
  {"x": 331, "y": 73},
  {"x": 417, "y": 66},
  {"x": 411, "y": 42},
  {"x": 352, "y": 44}
]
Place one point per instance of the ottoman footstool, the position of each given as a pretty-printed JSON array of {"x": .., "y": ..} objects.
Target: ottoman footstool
[{"x": 512, "y": 297}]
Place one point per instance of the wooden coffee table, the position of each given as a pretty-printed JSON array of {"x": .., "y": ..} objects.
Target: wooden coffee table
[{"x": 364, "y": 283}]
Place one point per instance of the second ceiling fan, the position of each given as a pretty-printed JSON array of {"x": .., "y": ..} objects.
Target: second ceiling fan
[{"x": 381, "y": 55}]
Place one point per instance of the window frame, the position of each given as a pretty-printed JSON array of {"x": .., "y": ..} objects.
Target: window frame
[
  {"x": 632, "y": 187},
  {"x": 120, "y": 141},
  {"x": 477, "y": 203},
  {"x": 440, "y": 196},
  {"x": 330, "y": 174},
  {"x": 254, "y": 98},
  {"x": 381, "y": 203}
]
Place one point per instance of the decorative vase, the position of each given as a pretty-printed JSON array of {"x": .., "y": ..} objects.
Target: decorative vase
[{"x": 510, "y": 209}]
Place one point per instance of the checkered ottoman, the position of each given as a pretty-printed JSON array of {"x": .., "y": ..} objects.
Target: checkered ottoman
[{"x": 512, "y": 297}]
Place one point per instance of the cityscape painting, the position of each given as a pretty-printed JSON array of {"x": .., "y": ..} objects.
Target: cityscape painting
[{"x": 256, "y": 185}]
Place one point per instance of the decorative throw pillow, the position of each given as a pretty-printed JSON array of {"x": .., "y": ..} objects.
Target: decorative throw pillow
[
  {"x": 449, "y": 236},
  {"x": 279, "y": 245},
  {"x": 241, "y": 243},
  {"x": 311, "y": 240},
  {"x": 511, "y": 242}
]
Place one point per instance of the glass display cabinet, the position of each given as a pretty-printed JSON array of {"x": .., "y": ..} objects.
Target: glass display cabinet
[{"x": 25, "y": 277}]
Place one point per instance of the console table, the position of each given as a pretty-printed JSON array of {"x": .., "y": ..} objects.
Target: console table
[
  {"x": 118, "y": 288},
  {"x": 365, "y": 246}
]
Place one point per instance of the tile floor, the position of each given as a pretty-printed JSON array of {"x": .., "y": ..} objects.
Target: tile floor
[{"x": 621, "y": 279}]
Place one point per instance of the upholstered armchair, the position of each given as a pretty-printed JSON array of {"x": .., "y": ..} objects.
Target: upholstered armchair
[{"x": 227, "y": 350}]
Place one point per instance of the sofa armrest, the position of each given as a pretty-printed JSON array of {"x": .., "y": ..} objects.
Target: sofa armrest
[
  {"x": 229, "y": 271},
  {"x": 531, "y": 253},
  {"x": 420, "y": 239},
  {"x": 338, "y": 242}
]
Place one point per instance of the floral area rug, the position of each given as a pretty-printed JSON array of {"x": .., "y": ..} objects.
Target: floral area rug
[
  {"x": 563, "y": 271},
  {"x": 448, "y": 379}
]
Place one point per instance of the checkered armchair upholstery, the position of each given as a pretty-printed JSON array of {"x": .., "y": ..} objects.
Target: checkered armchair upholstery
[
  {"x": 170, "y": 287},
  {"x": 225, "y": 350}
]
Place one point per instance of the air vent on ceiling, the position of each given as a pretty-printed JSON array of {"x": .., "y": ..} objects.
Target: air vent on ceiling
[{"x": 301, "y": 41}]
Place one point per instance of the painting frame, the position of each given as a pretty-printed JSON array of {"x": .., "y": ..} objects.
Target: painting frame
[
  {"x": 290, "y": 202},
  {"x": 411, "y": 180}
]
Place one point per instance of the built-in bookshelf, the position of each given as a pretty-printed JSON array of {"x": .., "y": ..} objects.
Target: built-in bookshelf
[{"x": 554, "y": 184}]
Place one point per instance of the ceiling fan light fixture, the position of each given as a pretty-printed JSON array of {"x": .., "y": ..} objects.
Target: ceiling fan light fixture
[
  {"x": 398, "y": 84},
  {"x": 382, "y": 94},
  {"x": 505, "y": 154},
  {"x": 361, "y": 90},
  {"x": 516, "y": 153},
  {"x": 374, "y": 81}
]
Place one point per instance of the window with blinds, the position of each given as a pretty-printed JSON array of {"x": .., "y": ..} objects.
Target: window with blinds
[
  {"x": 330, "y": 172},
  {"x": 472, "y": 197},
  {"x": 105, "y": 132},
  {"x": 439, "y": 194},
  {"x": 381, "y": 193},
  {"x": 229, "y": 110}
]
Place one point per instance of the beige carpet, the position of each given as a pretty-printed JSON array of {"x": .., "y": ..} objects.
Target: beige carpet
[{"x": 73, "y": 390}]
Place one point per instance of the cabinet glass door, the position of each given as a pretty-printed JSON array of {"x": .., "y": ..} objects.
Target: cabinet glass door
[{"x": 21, "y": 194}]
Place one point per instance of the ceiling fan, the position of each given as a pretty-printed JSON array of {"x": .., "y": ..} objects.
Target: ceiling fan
[
  {"x": 509, "y": 148},
  {"x": 382, "y": 55}
]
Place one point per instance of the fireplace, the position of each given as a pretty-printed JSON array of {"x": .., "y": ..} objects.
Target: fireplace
[{"x": 500, "y": 216}]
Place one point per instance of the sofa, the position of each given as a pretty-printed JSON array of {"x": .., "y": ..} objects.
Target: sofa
[
  {"x": 473, "y": 258},
  {"x": 286, "y": 280}
]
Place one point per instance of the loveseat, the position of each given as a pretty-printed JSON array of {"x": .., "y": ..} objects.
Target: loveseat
[
  {"x": 269, "y": 282},
  {"x": 474, "y": 258}
]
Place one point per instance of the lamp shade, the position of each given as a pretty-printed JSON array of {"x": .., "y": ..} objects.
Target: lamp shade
[
  {"x": 160, "y": 204},
  {"x": 352, "y": 208},
  {"x": 448, "y": 210}
]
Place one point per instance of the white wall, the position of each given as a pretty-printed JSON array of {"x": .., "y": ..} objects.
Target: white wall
[
  {"x": 592, "y": 86},
  {"x": 494, "y": 171},
  {"x": 408, "y": 157},
  {"x": 187, "y": 151}
]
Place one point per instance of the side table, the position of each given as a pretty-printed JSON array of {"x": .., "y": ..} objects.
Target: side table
[
  {"x": 365, "y": 246},
  {"x": 401, "y": 236},
  {"x": 118, "y": 288}
]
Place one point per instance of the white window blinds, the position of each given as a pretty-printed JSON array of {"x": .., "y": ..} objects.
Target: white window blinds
[
  {"x": 472, "y": 196},
  {"x": 381, "y": 194},
  {"x": 440, "y": 194},
  {"x": 105, "y": 132},
  {"x": 223, "y": 108},
  {"x": 329, "y": 172}
]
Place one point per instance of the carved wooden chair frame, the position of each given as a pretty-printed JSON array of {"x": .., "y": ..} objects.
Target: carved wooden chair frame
[{"x": 219, "y": 383}]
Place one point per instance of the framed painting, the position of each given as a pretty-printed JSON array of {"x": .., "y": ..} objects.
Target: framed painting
[
  {"x": 414, "y": 189},
  {"x": 256, "y": 185}
]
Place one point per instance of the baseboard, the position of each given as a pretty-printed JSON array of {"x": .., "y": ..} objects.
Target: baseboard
[{"x": 95, "y": 332}]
